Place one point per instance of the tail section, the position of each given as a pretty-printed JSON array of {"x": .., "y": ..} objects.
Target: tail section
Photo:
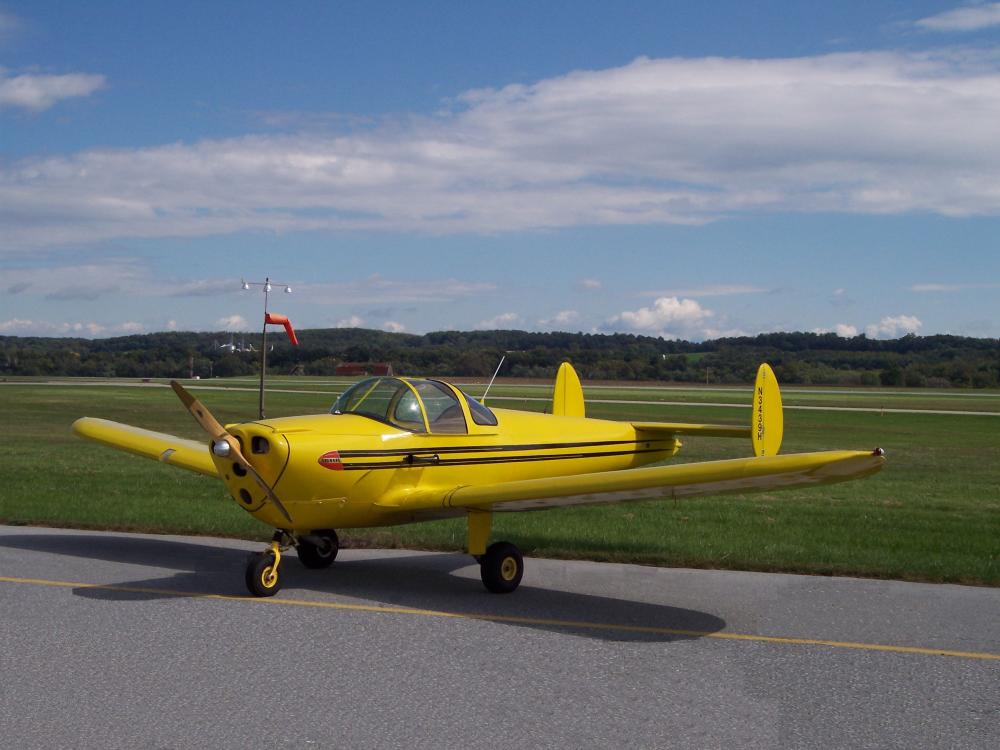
[
  {"x": 567, "y": 396},
  {"x": 768, "y": 419}
]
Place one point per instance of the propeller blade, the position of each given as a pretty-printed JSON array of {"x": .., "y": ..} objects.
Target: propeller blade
[
  {"x": 217, "y": 432},
  {"x": 202, "y": 415}
]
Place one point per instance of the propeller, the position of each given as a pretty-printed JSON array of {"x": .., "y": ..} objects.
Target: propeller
[{"x": 218, "y": 433}]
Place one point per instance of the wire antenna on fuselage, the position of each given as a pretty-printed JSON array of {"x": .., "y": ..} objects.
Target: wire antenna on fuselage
[{"x": 495, "y": 373}]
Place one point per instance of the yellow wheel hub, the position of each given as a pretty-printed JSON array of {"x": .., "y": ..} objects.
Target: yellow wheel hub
[
  {"x": 269, "y": 576},
  {"x": 508, "y": 569}
]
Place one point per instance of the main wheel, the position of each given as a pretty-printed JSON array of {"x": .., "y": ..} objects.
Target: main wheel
[
  {"x": 320, "y": 555},
  {"x": 501, "y": 567},
  {"x": 262, "y": 575}
]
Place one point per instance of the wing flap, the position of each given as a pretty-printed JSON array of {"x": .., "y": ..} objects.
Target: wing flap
[
  {"x": 169, "y": 449},
  {"x": 660, "y": 482}
]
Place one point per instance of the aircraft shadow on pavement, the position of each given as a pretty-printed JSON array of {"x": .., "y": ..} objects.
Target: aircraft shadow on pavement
[{"x": 417, "y": 581}]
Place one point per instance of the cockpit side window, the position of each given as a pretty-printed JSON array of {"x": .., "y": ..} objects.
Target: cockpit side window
[
  {"x": 480, "y": 414},
  {"x": 444, "y": 412},
  {"x": 407, "y": 413}
]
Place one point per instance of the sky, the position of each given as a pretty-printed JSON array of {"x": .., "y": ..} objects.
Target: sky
[{"x": 676, "y": 169}]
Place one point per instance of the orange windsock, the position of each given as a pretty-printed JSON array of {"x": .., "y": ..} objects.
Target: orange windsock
[{"x": 275, "y": 319}]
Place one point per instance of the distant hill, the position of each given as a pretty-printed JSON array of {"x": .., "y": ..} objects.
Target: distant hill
[{"x": 938, "y": 361}]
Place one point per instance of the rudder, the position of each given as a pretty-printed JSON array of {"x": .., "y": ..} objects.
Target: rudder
[
  {"x": 768, "y": 423},
  {"x": 567, "y": 395}
]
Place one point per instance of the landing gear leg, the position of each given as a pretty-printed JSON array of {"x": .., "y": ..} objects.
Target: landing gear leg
[
  {"x": 262, "y": 577},
  {"x": 501, "y": 564}
]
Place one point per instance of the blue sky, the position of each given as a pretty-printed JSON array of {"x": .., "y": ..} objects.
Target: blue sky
[{"x": 679, "y": 169}]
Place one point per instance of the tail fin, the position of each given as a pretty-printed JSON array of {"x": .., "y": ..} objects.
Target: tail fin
[
  {"x": 768, "y": 419},
  {"x": 567, "y": 396}
]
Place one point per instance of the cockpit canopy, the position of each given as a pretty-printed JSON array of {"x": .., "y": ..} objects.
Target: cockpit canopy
[{"x": 414, "y": 405}]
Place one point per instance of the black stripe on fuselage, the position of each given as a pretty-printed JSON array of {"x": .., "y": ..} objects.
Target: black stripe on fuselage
[
  {"x": 487, "y": 448},
  {"x": 422, "y": 461}
]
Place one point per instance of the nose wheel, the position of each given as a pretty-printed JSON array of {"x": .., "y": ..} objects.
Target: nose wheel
[
  {"x": 262, "y": 576},
  {"x": 501, "y": 567}
]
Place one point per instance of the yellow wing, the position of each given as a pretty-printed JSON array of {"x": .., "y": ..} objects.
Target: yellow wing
[
  {"x": 658, "y": 482},
  {"x": 185, "y": 454}
]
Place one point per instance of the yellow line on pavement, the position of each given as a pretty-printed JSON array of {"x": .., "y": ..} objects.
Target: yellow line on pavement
[{"x": 513, "y": 619}]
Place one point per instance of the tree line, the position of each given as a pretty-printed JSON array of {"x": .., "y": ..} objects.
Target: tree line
[{"x": 801, "y": 358}]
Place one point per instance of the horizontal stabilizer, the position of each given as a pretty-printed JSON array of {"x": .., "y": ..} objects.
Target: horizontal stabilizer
[{"x": 192, "y": 455}]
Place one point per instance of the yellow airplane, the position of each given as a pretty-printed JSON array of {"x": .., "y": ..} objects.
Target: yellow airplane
[{"x": 402, "y": 450}]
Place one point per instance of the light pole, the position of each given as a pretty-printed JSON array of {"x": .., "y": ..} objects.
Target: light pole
[{"x": 266, "y": 285}]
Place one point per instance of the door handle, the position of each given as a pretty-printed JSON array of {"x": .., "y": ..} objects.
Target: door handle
[{"x": 415, "y": 459}]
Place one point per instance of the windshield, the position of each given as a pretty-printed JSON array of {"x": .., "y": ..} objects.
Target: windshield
[{"x": 388, "y": 400}]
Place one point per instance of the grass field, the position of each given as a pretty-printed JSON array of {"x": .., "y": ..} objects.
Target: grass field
[{"x": 932, "y": 514}]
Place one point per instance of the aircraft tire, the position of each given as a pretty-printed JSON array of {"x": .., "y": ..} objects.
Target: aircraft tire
[
  {"x": 317, "y": 556},
  {"x": 501, "y": 567},
  {"x": 261, "y": 579}
]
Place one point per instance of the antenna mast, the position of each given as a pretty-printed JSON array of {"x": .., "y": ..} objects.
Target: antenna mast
[{"x": 497, "y": 372}]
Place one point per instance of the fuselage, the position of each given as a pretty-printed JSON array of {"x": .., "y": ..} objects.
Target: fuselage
[{"x": 344, "y": 470}]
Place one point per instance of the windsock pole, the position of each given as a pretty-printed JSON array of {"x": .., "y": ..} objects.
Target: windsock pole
[
  {"x": 268, "y": 319},
  {"x": 277, "y": 320},
  {"x": 263, "y": 349}
]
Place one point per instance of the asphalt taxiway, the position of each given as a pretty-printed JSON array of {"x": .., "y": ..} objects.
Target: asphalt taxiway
[{"x": 122, "y": 640}]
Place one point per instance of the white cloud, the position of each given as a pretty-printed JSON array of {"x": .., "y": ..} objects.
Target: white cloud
[
  {"x": 36, "y": 92},
  {"x": 377, "y": 289},
  {"x": 711, "y": 290},
  {"x": 232, "y": 323},
  {"x": 675, "y": 140},
  {"x": 968, "y": 18},
  {"x": 132, "y": 277},
  {"x": 590, "y": 284},
  {"x": 892, "y": 327},
  {"x": 841, "y": 329},
  {"x": 950, "y": 287},
  {"x": 503, "y": 321},
  {"x": 561, "y": 318},
  {"x": 16, "y": 325},
  {"x": 668, "y": 317},
  {"x": 23, "y": 327},
  {"x": 393, "y": 327},
  {"x": 112, "y": 276},
  {"x": 353, "y": 321}
]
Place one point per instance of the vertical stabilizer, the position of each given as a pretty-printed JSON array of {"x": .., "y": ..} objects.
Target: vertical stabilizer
[
  {"x": 768, "y": 419},
  {"x": 567, "y": 396}
]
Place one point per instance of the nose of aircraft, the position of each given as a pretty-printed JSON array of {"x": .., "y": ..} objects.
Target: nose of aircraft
[
  {"x": 264, "y": 447},
  {"x": 267, "y": 450}
]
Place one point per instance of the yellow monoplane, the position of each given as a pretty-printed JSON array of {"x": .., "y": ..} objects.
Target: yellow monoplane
[{"x": 402, "y": 450}]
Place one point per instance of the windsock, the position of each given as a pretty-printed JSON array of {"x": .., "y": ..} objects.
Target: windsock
[{"x": 275, "y": 319}]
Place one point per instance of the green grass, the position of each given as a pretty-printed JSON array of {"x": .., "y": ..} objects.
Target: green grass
[{"x": 932, "y": 514}]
